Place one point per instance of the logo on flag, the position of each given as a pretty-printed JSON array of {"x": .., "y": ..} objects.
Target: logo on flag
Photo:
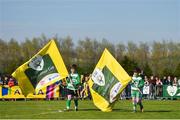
[
  {"x": 98, "y": 77},
  {"x": 37, "y": 63}
]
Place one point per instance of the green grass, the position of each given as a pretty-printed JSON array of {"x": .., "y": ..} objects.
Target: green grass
[{"x": 123, "y": 109}]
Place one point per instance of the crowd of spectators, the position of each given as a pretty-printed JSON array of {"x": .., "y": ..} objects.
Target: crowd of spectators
[
  {"x": 8, "y": 80},
  {"x": 155, "y": 85}
]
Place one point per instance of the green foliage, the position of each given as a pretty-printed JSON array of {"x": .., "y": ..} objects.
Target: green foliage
[
  {"x": 158, "y": 58},
  {"x": 147, "y": 70},
  {"x": 167, "y": 72},
  {"x": 177, "y": 71},
  {"x": 129, "y": 65}
]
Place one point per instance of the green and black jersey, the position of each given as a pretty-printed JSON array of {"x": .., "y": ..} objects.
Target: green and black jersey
[
  {"x": 137, "y": 83},
  {"x": 73, "y": 81}
]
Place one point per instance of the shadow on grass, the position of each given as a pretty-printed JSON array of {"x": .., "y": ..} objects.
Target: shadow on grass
[
  {"x": 91, "y": 109},
  {"x": 146, "y": 111},
  {"x": 158, "y": 111},
  {"x": 123, "y": 110},
  {"x": 94, "y": 109}
]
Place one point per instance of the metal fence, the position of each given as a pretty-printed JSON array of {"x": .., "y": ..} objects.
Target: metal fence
[{"x": 150, "y": 92}]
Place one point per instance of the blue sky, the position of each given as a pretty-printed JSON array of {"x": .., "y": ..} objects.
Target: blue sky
[{"x": 115, "y": 20}]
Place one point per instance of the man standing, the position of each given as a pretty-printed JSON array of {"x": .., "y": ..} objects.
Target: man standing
[
  {"x": 73, "y": 82},
  {"x": 136, "y": 93},
  {"x": 169, "y": 81}
]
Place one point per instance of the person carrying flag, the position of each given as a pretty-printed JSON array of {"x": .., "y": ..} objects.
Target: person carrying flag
[
  {"x": 72, "y": 82},
  {"x": 136, "y": 90}
]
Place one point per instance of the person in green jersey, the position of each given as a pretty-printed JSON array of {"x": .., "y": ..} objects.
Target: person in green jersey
[
  {"x": 136, "y": 90},
  {"x": 72, "y": 83}
]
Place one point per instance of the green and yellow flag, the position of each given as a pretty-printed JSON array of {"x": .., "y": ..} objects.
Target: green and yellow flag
[
  {"x": 107, "y": 82},
  {"x": 43, "y": 69}
]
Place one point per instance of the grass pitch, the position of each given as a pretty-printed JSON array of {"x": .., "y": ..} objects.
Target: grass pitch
[{"x": 54, "y": 110}]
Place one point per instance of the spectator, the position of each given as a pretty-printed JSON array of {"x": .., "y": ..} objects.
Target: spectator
[
  {"x": 158, "y": 87},
  {"x": 164, "y": 80},
  {"x": 15, "y": 81},
  {"x": 128, "y": 91},
  {"x": 85, "y": 92},
  {"x": 63, "y": 89},
  {"x": 80, "y": 87},
  {"x": 175, "y": 82},
  {"x": 152, "y": 83},
  {"x": 6, "y": 80},
  {"x": 169, "y": 81},
  {"x": 179, "y": 82},
  {"x": 1, "y": 81},
  {"x": 11, "y": 82},
  {"x": 158, "y": 81},
  {"x": 142, "y": 74},
  {"x": 146, "y": 82}
]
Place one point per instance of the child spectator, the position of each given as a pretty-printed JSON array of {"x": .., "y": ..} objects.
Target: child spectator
[
  {"x": 146, "y": 82},
  {"x": 85, "y": 91}
]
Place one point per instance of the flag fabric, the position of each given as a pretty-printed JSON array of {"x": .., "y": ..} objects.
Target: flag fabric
[
  {"x": 43, "y": 69},
  {"x": 51, "y": 90},
  {"x": 107, "y": 82}
]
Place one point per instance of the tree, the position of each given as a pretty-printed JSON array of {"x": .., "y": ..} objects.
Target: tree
[
  {"x": 167, "y": 72},
  {"x": 131, "y": 50},
  {"x": 3, "y": 55},
  {"x": 173, "y": 56},
  {"x": 106, "y": 44},
  {"x": 177, "y": 71},
  {"x": 86, "y": 55},
  {"x": 142, "y": 54},
  {"x": 120, "y": 51},
  {"x": 159, "y": 56},
  {"x": 67, "y": 50},
  {"x": 147, "y": 70},
  {"x": 129, "y": 65},
  {"x": 12, "y": 56}
]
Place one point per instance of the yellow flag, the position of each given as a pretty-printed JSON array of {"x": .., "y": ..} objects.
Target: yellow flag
[
  {"x": 42, "y": 70},
  {"x": 107, "y": 82}
]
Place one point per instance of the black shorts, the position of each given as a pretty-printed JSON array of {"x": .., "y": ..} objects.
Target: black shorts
[{"x": 72, "y": 92}]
